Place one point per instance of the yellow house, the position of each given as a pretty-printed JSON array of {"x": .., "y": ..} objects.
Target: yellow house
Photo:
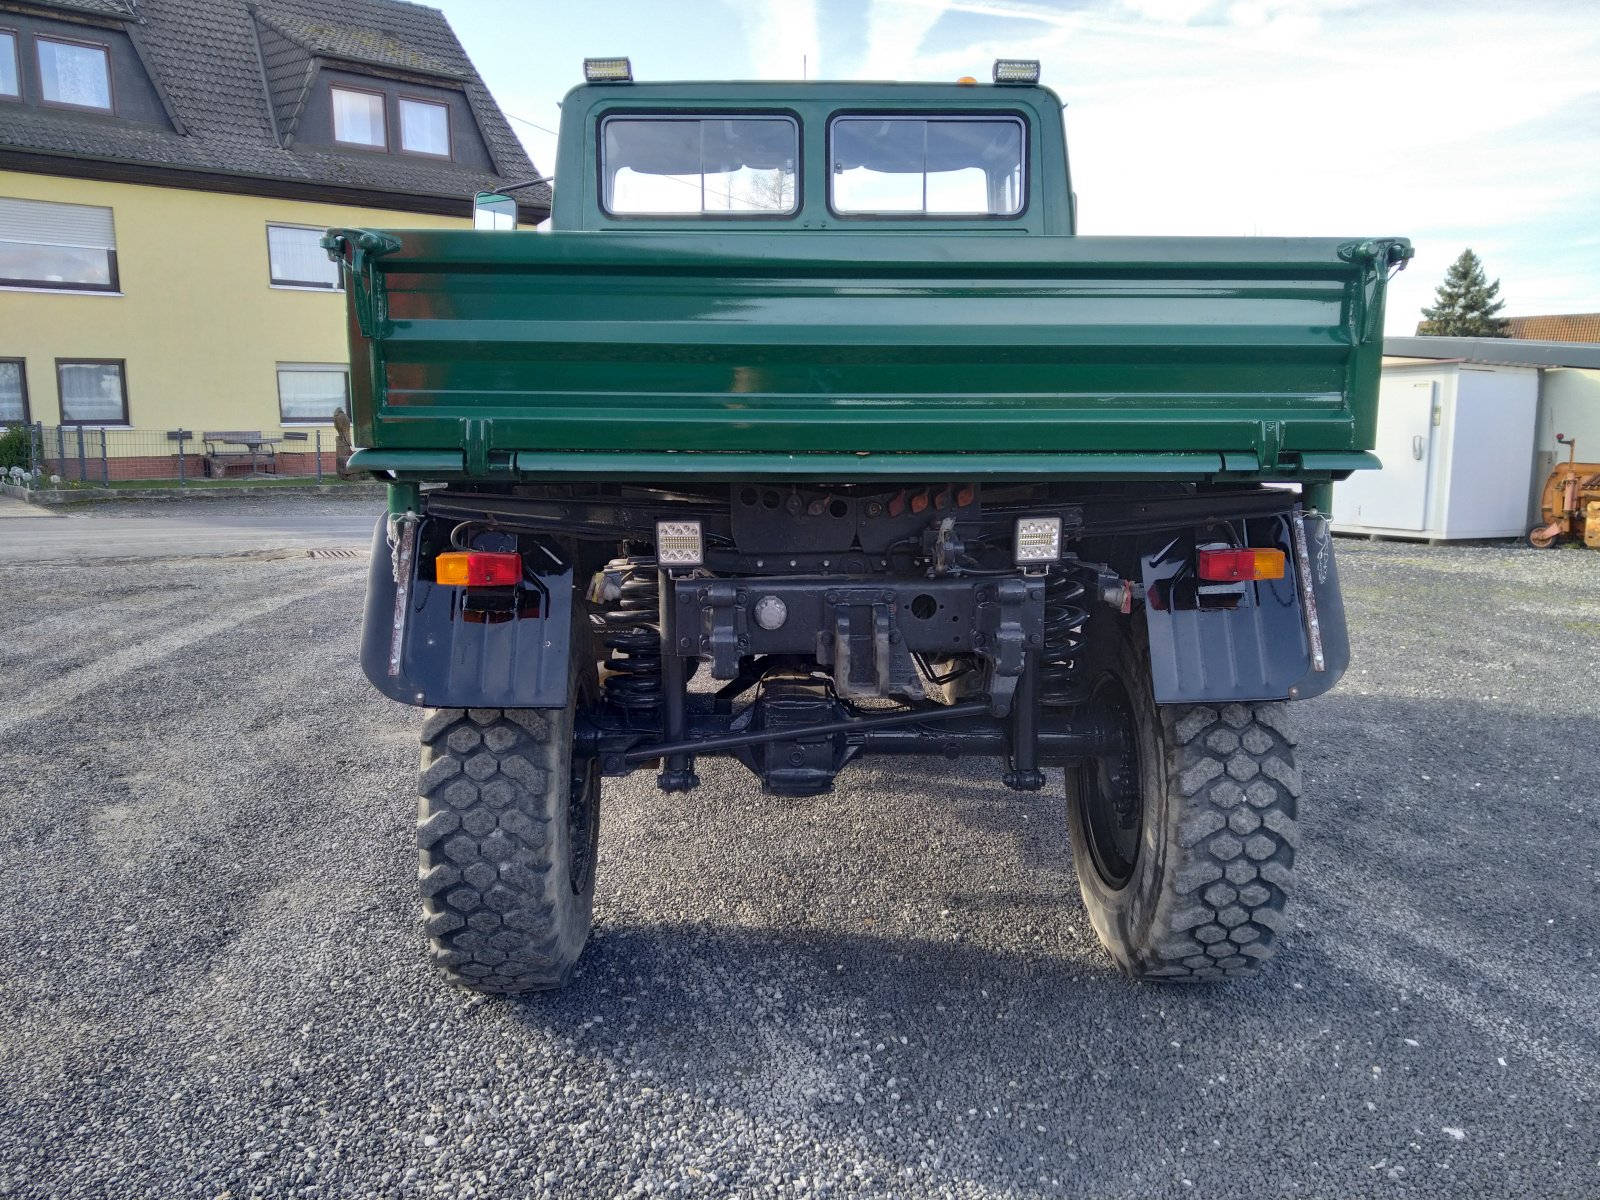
[{"x": 166, "y": 169}]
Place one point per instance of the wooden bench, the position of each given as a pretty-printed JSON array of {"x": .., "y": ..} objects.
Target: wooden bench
[{"x": 258, "y": 456}]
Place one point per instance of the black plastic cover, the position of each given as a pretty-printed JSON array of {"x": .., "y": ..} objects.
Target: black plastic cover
[
  {"x": 1260, "y": 649},
  {"x": 451, "y": 657}
]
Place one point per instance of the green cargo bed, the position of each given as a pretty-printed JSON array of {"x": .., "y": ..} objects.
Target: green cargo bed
[{"x": 716, "y": 355}]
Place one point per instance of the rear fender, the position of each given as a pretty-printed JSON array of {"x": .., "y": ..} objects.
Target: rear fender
[
  {"x": 1263, "y": 649},
  {"x": 450, "y": 657}
]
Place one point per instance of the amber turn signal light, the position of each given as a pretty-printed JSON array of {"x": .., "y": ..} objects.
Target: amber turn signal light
[
  {"x": 1231, "y": 566},
  {"x": 478, "y": 568}
]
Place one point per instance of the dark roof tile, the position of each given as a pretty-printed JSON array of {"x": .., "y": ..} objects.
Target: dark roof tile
[{"x": 235, "y": 76}]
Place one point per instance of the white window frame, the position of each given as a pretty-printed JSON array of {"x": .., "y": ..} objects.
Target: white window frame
[
  {"x": 305, "y": 368},
  {"x": 449, "y": 133},
  {"x": 383, "y": 113},
  {"x": 335, "y": 287}
]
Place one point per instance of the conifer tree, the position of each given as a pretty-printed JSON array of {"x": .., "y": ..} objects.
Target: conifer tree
[{"x": 1465, "y": 304}]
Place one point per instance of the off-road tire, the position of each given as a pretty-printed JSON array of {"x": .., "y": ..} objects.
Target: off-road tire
[
  {"x": 505, "y": 907},
  {"x": 1215, "y": 862}
]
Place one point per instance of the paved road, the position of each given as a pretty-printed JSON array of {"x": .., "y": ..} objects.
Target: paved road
[
  {"x": 213, "y": 983},
  {"x": 181, "y": 528}
]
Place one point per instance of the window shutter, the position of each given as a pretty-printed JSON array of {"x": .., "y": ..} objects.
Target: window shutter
[{"x": 41, "y": 223}]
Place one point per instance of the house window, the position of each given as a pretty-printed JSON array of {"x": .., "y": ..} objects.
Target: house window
[
  {"x": 358, "y": 118},
  {"x": 94, "y": 391},
  {"x": 309, "y": 392},
  {"x": 13, "y": 391},
  {"x": 74, "y": 74},
  {"x": 10, "y": 81},
  {"x": 298, "y": 259},
  {"x": 43, "y": 244},
  {"x": 425, "y": 127}
]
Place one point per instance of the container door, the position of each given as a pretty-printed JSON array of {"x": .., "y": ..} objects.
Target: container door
[{"x": 1397, "y": 496}]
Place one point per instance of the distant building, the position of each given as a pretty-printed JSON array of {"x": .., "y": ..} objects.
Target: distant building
[
  {"x": 1467, "y": 434},
  {"x": 166, "y": 170},
  {"x": 1564, "y": 327}
]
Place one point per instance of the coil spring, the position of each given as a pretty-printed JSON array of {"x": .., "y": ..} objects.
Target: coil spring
[
  {"x": 631, "y": 631},
  {"x": 1061, "y": 663}
]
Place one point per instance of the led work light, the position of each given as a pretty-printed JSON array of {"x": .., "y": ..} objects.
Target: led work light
[
  {"x": 1038, "y": 540},
  {"x": 678, "y": 544},
  {"x": 607, "y": 70},
  {"x": 1016, "y": 70}
]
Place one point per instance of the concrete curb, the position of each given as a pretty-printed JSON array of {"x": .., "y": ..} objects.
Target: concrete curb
[{"x": 56, "y": 497}]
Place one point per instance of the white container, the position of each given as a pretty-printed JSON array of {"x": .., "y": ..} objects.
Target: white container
[{"x": 1456, "y": 440}]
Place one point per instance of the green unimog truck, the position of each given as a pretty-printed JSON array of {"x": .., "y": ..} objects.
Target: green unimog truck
[{"x": 812, "y": 431}]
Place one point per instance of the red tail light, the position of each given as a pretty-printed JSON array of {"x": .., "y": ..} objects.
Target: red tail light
[
  {"x": 478, "y": 568},
  {"x": 1231, "y": 566}
]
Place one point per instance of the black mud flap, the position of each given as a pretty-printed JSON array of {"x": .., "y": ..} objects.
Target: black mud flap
[
  {"x": 432, "y": 649},
  {"x": 1253, "y": 641}
]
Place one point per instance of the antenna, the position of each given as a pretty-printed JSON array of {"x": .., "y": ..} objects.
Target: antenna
[{"x": 805, "y": 67}]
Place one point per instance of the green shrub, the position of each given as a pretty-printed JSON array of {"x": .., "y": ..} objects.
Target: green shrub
[{"x": 14, "y": 448}]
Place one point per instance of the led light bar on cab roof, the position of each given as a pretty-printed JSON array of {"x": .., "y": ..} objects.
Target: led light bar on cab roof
[
  {"x": 1016, "y": 70},
  {"x": 607, "y": 70}
]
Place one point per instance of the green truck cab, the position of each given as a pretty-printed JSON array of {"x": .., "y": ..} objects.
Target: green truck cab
[{"x": 812, "y": 430}]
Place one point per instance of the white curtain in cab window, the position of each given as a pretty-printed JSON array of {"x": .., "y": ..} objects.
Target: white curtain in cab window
[
  {"x": 310, "y": 393},
  {"x": 358, "y": 118},
  {"x": 71, "y": 74},
  {"x": 298, "y": 258},
  {"x": 91, "y": 392},
  {"x": 10, "y": 392},
  {"x": 424, "y": 127}
]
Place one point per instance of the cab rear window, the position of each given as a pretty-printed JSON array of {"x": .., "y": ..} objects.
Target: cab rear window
[
  {"x": 946, "y": 166},
  {"x": 741, "y": 166}
]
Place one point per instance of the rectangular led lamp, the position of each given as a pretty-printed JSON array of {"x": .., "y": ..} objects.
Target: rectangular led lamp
[
  {"x": 1038, "y": 540},
  {"x": 679, "y": 544},
  {"x": 1016, "y": 70},
  {"x": 478, "y": 568},
  {"x": 607, "y": 70},
  {"x": 1233, "y": 566}
]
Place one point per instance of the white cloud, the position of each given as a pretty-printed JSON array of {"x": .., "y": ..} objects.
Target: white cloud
[
  {"x": 896, "y": 30},
  {"x": 781, "y": 38}
]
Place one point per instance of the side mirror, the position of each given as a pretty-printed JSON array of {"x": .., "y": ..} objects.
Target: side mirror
[{"x": 491, "y": 210}]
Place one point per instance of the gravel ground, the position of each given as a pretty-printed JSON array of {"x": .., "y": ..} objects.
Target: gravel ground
[{"x": 214, "y": 985}]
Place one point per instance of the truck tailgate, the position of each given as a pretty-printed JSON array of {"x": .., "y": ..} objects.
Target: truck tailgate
[{"x": 511, "y": 349}]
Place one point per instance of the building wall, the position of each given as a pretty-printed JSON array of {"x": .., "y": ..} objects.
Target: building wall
[
  {"x": 1569, "y": 403},
  {"x": 198, "y": 321}
]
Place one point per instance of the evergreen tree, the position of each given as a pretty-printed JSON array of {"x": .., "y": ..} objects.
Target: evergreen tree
[{"x": 1465, "y": 304}]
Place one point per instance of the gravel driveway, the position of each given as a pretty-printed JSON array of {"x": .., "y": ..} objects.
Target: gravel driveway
[{"x": 214, "y": 986}]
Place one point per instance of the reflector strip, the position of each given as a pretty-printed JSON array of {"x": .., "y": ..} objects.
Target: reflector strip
[
  {"x": 478, "y": 568},
  {"x": 1232, "y": 566}
]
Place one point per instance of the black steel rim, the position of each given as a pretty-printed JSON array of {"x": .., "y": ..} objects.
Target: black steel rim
[{"x": 1110, "y": 795}]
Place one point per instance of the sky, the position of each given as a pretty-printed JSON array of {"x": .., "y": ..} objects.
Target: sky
[{"x": 1455, "y": 124}]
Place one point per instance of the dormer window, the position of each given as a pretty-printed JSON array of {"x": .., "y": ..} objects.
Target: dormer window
[
  {"x": 10, "y": 78},
  {"x": 358, "y": 118},
  {"x": 74, "y": 74},
  {"x": 424, "y": 127}
]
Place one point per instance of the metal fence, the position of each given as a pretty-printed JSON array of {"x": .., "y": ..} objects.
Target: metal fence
[{"x": 77, "y": 454}]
